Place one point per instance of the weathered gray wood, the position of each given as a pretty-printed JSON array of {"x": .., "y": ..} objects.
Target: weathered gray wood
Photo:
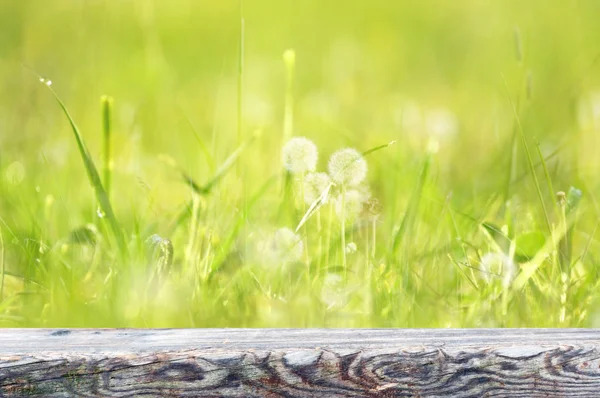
[{"x": 299, "y": 363}]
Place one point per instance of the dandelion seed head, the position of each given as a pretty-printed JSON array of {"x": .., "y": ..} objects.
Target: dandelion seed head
[
  {"x": 348, "y": 167},
  {"x": 282, "y": 247},
  {"x": 299, "y": 155},
  {"x": 333, "y": 292},
  {"x": 314, "y": 186},
  {"x": 496, "y": 266},
  {"x": 372, "y": 208},
  {"x": 351, "y": 248},
  {"x": 350, "y": 206},
  {"x": 337, "y": 291}
]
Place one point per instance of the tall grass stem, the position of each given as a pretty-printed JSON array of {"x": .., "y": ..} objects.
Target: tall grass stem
[{"x": 107, "y": 161}]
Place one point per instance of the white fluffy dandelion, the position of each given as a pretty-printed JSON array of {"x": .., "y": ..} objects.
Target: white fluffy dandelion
[
  {"x": 498, "y": 266},
  {"x": 350, "y": 206},
  {"x": 347, "y": 167},
  {"x": 372, "y": 209},
  {"x": 351, "y": 248},
  {"x": 285, "y": 246},
  {"x": 299, "y": 155},
  {"x": 334, "y": 293},
  {"x": 314, "y": 186}
]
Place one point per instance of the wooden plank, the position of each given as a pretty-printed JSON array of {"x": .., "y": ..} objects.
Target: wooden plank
[{"x": 299, "y": 362}]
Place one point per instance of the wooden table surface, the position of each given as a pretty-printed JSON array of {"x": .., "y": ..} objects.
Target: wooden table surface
[{"x": 299, "y": 362}]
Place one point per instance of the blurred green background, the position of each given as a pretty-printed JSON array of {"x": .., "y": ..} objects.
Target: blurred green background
[{"x": 366, "y": 73}]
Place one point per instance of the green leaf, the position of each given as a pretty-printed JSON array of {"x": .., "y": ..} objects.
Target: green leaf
[
  {"x": 94, "y": 177},
  {"x": 529, "y": 244},
  {"x": 499, "y": 237},
  {"x": 219, "y": 174},
  {"x": 86, "y": 235}
]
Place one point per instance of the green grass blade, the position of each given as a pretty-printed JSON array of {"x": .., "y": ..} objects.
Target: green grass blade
[
  {"x": 565, "y": 246},
  {"x": 209, "y": 158},
  {"x": 546, "y": 172},
  {"x": 315, "y": 206},
  {"x": 229, "y": 162},
  {"x": 529, "y": 158},
  {"x": 225, "y": 249},
  {"x": 377, "y": 148},
  {"x": 240, "y": 82},
  {"x": 529, "y": 268},
  {"x": 221, "y": 171},
  {"x": 413, "y": 205},
  {"x": 2, "y": 266},
  {"x": 94, "y": 177},
  {"x": 107, "y": 104}
]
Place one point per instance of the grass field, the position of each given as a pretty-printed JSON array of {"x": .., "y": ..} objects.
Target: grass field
[{"x": 184, "y": 194}]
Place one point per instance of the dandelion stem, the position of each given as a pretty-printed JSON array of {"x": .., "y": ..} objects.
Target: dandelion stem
[
  {"x": 374, "y": 227},
  {"x": 329, "y": 228},
  {"x": 320, "y": 251},
  {"x": 564, "y": 260},
  {"x": 305, "y": 235},
  {"x": 190, "y": 252},
  {"x": 343, "y": 230},
  {"x": 368, "y": 275}
]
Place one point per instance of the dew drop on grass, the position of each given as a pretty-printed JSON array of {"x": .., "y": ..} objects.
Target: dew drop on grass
[{"x": 100, "y": 213}]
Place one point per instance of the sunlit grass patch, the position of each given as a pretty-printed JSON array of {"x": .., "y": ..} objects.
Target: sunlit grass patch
[{"x": 387, "y": 168}]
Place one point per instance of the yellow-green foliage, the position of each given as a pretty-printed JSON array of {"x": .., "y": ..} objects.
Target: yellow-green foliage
[{"x": 168, "y": 210}]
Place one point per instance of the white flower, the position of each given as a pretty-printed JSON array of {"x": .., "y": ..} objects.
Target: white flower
[
  {"x": 299, "y": 155},
  {"x": 497, "y": 266},
  {"x": 352, "y": 205},
  {"x": 351, "y": 248},
  {"x": 347, "y": 166},
  {"x": 284, "y": 247},
  {"x": 372, "y": 208},
  {"x": 334, "y": 293},
  {"x": 314, "y": 186}
]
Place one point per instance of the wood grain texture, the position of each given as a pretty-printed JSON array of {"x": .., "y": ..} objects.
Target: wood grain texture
[{"x": 299, "y": 363}]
